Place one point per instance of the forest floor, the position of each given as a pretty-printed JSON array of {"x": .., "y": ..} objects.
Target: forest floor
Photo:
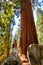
[{"x": 21, "y": 59}]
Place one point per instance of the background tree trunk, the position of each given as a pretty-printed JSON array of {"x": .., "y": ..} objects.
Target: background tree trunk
[{"x": 28, "y": 30}]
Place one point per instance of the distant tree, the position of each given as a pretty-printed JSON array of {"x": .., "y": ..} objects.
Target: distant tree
[
  {"x": 39, "y": 26},
  {"x": 7, "y": 9}
]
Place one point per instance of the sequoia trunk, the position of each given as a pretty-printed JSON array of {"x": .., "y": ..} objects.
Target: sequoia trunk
[{"x": 28, "y": 31}]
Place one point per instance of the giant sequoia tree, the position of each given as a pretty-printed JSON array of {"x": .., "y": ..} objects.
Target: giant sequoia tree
[{"x": 28, "y": 31}]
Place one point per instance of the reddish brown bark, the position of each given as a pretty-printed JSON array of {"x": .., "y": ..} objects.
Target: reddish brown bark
[{"x": 28, "y": 31}]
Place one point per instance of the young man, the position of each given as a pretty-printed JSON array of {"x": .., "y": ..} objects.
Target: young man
[{"x": 15, "y": 48}]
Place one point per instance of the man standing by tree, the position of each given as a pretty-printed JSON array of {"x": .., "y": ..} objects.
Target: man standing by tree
[{"x": 15, "y": 48}]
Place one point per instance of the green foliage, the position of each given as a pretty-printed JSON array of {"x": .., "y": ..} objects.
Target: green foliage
[
  {"x": 40, "y": 26},
  {"x": 5, "y": 20},
  {"x": 6, "y": 14},
  {"x": 7, "y": 11}
]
